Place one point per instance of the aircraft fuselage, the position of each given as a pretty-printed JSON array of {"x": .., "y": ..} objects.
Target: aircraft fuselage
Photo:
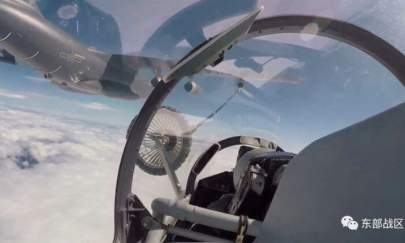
[{"x": 30, "y": 38}]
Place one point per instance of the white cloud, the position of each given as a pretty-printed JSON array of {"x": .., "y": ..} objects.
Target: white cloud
[
  {"x": 10, "y": 94},
  {"x": 58, "y": 175},
  {"x": 21, "y": 95},
  {"x": 57, "y": 178},
  {"x": 96, "y": 106}
]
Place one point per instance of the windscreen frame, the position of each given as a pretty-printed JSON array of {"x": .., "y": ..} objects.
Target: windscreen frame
[{"x": 355, "y": 36}]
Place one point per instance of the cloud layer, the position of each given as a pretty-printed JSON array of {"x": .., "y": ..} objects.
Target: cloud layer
[
  {"x": 12, "y": 95},
  {"x": 57, "y": 178},
  {"x": 96, "y": 106}
]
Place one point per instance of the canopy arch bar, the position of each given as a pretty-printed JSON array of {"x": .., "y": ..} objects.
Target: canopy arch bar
[{"x": 338, "y": 30}]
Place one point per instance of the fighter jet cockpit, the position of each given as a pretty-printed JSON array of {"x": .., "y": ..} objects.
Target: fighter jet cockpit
[
  {"x": 217, "y": 153},
  {"x": 246, "y": 121}
]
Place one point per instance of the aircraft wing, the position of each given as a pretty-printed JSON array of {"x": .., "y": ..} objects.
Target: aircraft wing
[
  {"x": 211, "y": 52},
  {"x": 7, "y": 57}
]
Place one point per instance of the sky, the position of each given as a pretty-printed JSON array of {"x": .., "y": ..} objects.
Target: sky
[
  {"x": 59, "y": 150},
  {"x": 22, "y": 87}
]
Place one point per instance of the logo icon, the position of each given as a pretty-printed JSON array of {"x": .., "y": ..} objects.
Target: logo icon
[{"x": 349, "y": 222}]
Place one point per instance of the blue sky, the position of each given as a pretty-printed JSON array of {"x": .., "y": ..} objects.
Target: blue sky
[{"x": 22, "y": 87}]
